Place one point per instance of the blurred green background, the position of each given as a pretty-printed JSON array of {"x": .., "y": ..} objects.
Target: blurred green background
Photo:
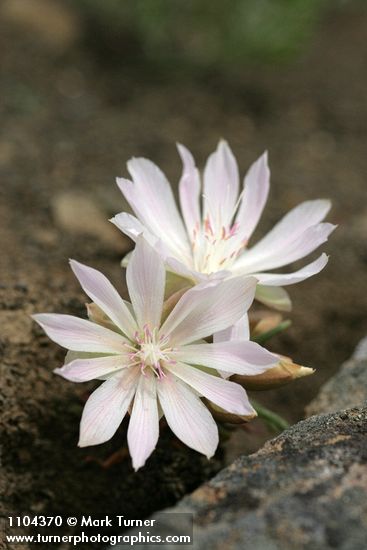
[{"x": 208, "y": 33}]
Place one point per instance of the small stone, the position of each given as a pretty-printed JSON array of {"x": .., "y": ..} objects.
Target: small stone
[{"x": 78, "y": 213}]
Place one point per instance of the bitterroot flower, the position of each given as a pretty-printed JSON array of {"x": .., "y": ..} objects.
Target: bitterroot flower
[
  {"x": 152, "y": 368},
  {"x": 212, "y": 240}
]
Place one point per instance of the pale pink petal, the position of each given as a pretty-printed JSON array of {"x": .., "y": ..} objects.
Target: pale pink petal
[
  {"x": 179, "y": 268},
  {"x": 209, "y": 308},
  {"x": 145, "y": 277},
  {"x": 293, "y": 249},
  {"x": 82, "y": 370},
  {"x": 283, "y": 279},
  {"x": 274, "y": 296},
  {"x": 189, "y": 191},
  {"x": 238, "y": 331},
  {"x": 176, "y": 266},
  {"x": 295, "y": 222},
  {"x": 107, "y": 406},
  {"x": 152, "y": 200},
  {"x": 130, "y": 225},
  {"x": 104, "y": 294},
  {"x": 79, "y": 334},
  {"x": 291, "y": 227},
  {"x": 187, "y": 417},
  {"x": 72, "y": 355},
  {"x": 228, "y": 395},
  {"x": 143, "y": 431},
  {"x": 146, "y": 221},
  {"x": 237, "y": 357},
  {"x": 128, "y": 189},
  {"x": 221, "y": 183},
  {"x": 256, "y": 190}
]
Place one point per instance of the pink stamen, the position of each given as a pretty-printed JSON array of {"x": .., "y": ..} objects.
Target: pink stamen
[
  {"x": 159, "y": 371},
  {"x": 147, "y": 331},
  {"x": 234, "y": 229},
  {"x": 208, "y": 226}
]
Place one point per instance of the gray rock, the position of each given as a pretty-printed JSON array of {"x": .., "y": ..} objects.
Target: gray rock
[
  {"x": 306, "y": 489},
  {"x": 348, "y": 388}
]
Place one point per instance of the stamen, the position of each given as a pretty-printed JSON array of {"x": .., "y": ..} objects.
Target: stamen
[{"x": 234, "y": 229}]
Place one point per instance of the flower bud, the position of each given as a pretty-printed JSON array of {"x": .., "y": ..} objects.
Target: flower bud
[
  {"x": 264, "y": 323},
  {"x": 284, "y": 372}
]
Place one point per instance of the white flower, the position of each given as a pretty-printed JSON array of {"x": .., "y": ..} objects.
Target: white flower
[
  {"x": 151, "y": 368},
  {"x": 212, "y": 240}
]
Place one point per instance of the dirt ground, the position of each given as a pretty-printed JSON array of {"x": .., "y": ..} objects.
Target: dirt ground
[{"x": 69, "y": 122}]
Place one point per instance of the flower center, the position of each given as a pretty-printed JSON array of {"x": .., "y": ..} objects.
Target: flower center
[
  {"x": 150, "y": 350},
  {"x": 216, "y": 249}
]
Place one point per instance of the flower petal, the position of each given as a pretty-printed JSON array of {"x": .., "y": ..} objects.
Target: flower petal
[
  {"x": 208, "y": 308},
  {"x": 82, "y": 370},
  {"x": 106, "y": 407},
  {"x": 221, "y": 183},
  {"x": 79, "y": 334},
  {"x": 189, "y": 191},
  {"x": 145, "y": 277},
  {"x": 237, "y": 357},
  {"x": 103, "y": 293},
  {"x": 239, "y": 331},
  {"x": 143, "y": 431},
  {"x": 295, "y": 222},
  {"x": 256, "y": 190},
  {"x": 228, "y": 395},
  {"x": 152, "y": 200},
  {"x": 177, "y": 267},
  {"x": 302, "y": 221},
  {"x": 294, "y": 248},
  {"x": 283, "y": 279},
  {"x": 187, "y": 417},
  {"x": 130, "y": 225}
]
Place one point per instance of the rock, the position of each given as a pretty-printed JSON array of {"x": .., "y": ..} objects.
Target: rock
[
  {"x": 304, "y": 490},
  {"x": 79, "y": 213},
  {"x": 348, "y": 388}
]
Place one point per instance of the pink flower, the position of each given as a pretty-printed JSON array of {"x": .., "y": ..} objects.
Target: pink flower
[
  {"x": 152, "y": 368},
  {"x": 212, "y": 239}
]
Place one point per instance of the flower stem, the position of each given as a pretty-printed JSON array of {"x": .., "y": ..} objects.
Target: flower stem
[
  {"x": 261, "y": 338},
  {"x": 273, "y": 420}
]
